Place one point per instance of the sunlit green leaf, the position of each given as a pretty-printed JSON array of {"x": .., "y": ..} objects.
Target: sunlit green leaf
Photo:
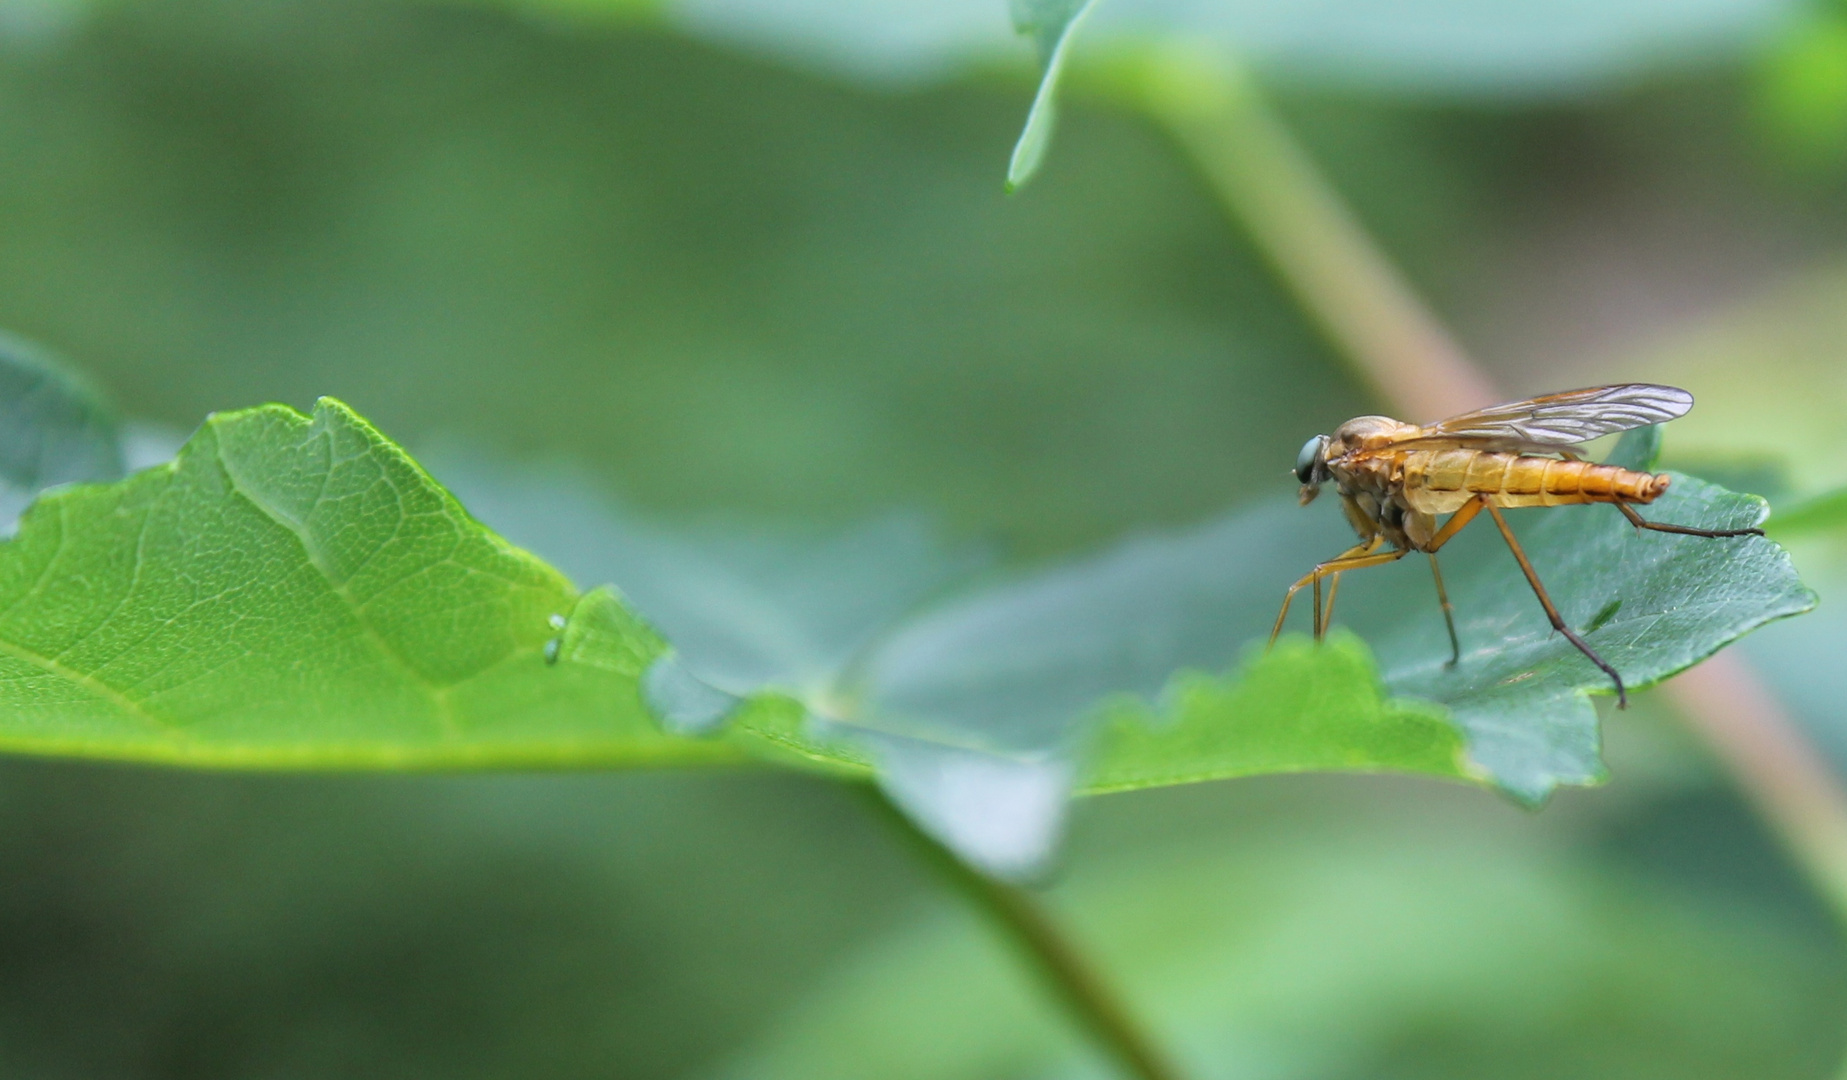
[{"x": 296, "y": 592}]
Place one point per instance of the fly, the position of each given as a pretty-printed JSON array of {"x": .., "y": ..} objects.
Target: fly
[{"x": 1395, "y": 480}]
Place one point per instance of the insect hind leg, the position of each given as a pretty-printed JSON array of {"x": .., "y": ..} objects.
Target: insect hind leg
[
  {"x": 1641, "y": 522},
  {"x": 1552, "y": 615}
]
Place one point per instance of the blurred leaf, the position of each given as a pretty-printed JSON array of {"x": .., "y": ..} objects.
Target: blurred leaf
[
  {"x": 1438, "y": 947},
  {"x": 1768, "y": 376},
  {"x": 1472, "y": 47},
  {"x": 714, "y": 283},
  {"x": 296, "y": 592},
  {"x": 54, "y": 428},
  {"x": 1051, "y": 24},
  {"x": 1824, "y": 513},
  {"x": 877, "y": 41},
  {"x": 1803, "y": 90},
  {"x": 1477, "y": 48}
]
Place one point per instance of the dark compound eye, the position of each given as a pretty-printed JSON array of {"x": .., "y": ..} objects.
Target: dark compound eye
[{"x": 1308, "y": 461}]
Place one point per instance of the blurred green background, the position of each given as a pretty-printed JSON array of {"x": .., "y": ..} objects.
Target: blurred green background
[{"x": 722, "y": 283}]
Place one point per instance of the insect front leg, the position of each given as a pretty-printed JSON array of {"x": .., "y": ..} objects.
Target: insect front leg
[
  {"x": 1354, "y": 558},
  {"x": 1313, "y": 577}
]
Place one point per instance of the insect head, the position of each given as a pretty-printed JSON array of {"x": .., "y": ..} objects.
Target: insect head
[{"x": 1311, "y": 467}]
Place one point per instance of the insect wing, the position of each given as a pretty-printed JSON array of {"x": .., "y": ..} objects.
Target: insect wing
[{"x": 1567, "y": 419}]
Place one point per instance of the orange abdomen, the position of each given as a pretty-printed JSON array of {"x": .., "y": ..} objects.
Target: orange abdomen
[{"x": 1445, "y": 476}]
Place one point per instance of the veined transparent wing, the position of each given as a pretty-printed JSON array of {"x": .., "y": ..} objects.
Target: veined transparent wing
[{"x": 1557, "y": 420}]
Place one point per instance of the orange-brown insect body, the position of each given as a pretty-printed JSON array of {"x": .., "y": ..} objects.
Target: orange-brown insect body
[
  {"x": 1440, "y": 481},
  {"x": 1395, "y": 491},
  {"x": 1395, "y": 480}
]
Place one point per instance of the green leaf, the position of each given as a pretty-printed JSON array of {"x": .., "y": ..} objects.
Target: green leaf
[
  {"x": 296, "y": 592},
  {"x": 54, "y": 427},
  {"x": 1638, "y": 449},
  {"x": 1052, "y": 25},
  {"x": 1298, "y": 708}
]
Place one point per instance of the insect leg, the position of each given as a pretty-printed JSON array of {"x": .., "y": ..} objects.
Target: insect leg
[
  {"x": 1558, "y": 621},
  {"x": 1455, "y": 524},
  {"x": 1351, "y": 559},
  {"x": 1327, "y": 613},
  {"x": 1449, "y": 613},
  {"x": 1339, "y": 566},
  {"x": 1641, "y": 522}
]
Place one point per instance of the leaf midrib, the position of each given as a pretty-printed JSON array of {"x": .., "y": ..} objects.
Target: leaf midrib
[{"x": 438, "y": 693}]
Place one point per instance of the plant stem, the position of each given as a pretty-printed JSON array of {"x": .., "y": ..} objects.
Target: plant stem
[
  {"x": 1013, "y": 911},
  {"x": 1391, "y": 339}
]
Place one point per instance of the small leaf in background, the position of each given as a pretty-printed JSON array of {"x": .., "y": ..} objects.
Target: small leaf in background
[
  {"x": 1498, "y": 49},
  {"x": 54, "y": 428},
  {"x": 296, "y": 592},
  {"x": 1480, "y": 48},
  {"x": 1052, "y": 25},
  {"x": 1802, "y": 97},
  {"x": 1463, "y": 48}
]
